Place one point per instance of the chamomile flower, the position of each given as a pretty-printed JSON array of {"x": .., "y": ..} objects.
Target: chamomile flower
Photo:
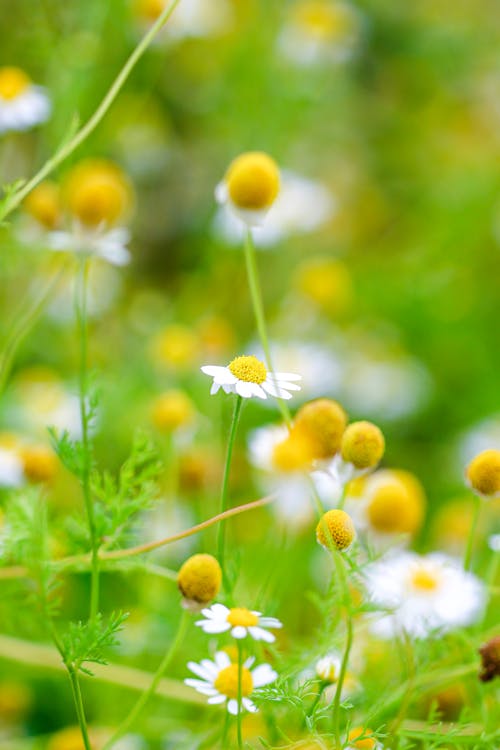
[
  {"x": 483, "y": 474},
  {"x": 328, "y": 668},
  {"x": 240, "y": 622},
  {"x": 250, "y": 187},
  {"x": 109, "y": 245},
  {"x": 361, "y": 449},
  {"x": 247, "y": 376},
  {"x": 218, "y": 680},
  {"x": 424, "y": 593},
  {"x": 22, "y": 104}
]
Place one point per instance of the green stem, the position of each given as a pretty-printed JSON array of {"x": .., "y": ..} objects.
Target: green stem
[
  {"x": 345, "y": 658},
  {"x": 225, "y": 731},
  {"x": 472, "y": 531},
  {"x": 144, "y": 698},
  {"x": 258, "y": 308},
  {"x": 240, "y": 673},
  {"x": 225, "y": 479},
  {"x": 66, "y": 149},
  {"x": 81, "y": 316},
  {"x": 80, "y": 712}
]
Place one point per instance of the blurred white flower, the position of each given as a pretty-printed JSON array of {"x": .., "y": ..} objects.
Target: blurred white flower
[
  {"x": 302, "y": 206},
  {"x": 480, "y": 437},
  {"x": 423, "y": 593},
  {"x": 11, "y": 468},
  {"x": 190, "y": 19},
  {"x": 108, "y": 244},
  {"x": 22, "y": 104},
  {"x": 219, "y": 681},
  {"x": 239, "y": 621},
  {"x": 494, "y": 542}
]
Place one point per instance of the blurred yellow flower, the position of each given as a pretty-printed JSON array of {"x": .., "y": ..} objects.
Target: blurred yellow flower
[
  {"x": 250, "y": 186},
  {"x": 326, "y": 282},
  {"x": 483, "y": 474},
  {"x": 44, "y": 204},
  {"x": 396, "y": 502},
  {"x": 362, "y": 445},
  {"x": 322, "y": 424},
  {"x": 97, "y": 192},
  {"x": 172, "y": 410},
  {"x": 22, "y": 104},
  {"x": 176, "y": 347}
]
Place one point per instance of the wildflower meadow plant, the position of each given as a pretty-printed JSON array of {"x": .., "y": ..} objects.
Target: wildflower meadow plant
[{"x": 150, "y": 597}]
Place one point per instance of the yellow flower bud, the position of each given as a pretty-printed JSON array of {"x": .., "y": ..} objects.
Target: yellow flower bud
[
  {"x": 367, "y": 743},
  {"x": 44, "y": 204},
  {"x": 362, "y": 445},
  {"x": 483, "y": 473},
  {"x": 322, "y": 423},
  {"x": 396, "y": 503},
  {"x": 39, "y": 462},
  {"x": 335, "y": 529},
  {"x": 200, "y": 578},
  {"x": 13, "y": 81},
  {"x": 97, "y": 191},
  {"x": 253, "y": 181},
  {"x": 292, "y": 454},
  {"x": 171, "y": 410}
]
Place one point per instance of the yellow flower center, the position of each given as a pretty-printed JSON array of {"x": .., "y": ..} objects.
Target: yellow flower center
[
  {"x": 395, "y": 509},
  {"x": 253, "y": 181},
  {"x": 424, "y": 580},
  {"x": 335, "y": 530},
  {"x": 227, "y": 682},
  {"x": 483, "y": 473},
  {"x": 322, "y": 422},
  {"x": 362, "y": 445},
  {"x": 248, "y": 368},
  {"x": 13, "y": 81},
  {"x": 322, "y": 20},
  {"x": 241, "y": 616},
  {"x": 44, "y": 204},
  {"x": 367, "y": 743},
  {"x": 97, "y": 191}
]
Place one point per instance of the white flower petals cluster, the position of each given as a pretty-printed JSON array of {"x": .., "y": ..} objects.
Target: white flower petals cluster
[
  {"x": 240, "y": 623},
  {"x": 31, "y": 107},
  {"x": 108, "y": 244},
  {"x": 275, "y": 384}
]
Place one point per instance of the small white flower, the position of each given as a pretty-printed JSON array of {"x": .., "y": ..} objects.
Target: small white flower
[
  {"x": 239, "y": 621},
  {"x": 108, "y": 244},
  {"x": 219, "y": 681},
  {"x": 11, "y": 468},
  {"x": 425, "y": 593},
  {"x": 247, "y": 376},
  {"x": 22, "y": 104},
  {"x": 328, "y": 668}
]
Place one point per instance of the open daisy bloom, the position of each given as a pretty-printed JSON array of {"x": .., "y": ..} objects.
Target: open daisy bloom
[
  {"x": 247, "y": 376},
  {"x": 425, "y": 593},
  {"x": 239, "y": 621},
  {"x": 22, "y": 104},
  {"x": 219, "y": 681}
]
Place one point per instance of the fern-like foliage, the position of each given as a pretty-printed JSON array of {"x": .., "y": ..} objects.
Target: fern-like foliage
[{"x": 86, "y": 642}]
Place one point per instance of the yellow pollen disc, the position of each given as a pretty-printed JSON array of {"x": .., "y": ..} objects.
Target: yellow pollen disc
[
  {"x": 483, "y": 473},
  {"x": 248, "y": 368},
  {"x": 253, "y": 181},
  {"x": 13, "y": 82},
  {"x": 200, "y": 578},
  {"x": 227, "y": 682},
  {"x": 322, "y": 422},
  {"x": 367, "y": 743},
  {"x": 98, "y": 191},
  {"x": 243, "y": 617},
  {"x": 323, "y": 20},
  {"x": 423, "y": 580},
  {"x": 294, "y": 453},
  {"x": 394, "y": 508},
  {"x": 335, "y": 530},
  {"x": 362, "y": 445}
]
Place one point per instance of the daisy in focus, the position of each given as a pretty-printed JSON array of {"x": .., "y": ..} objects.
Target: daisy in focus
[
  {"x": 247, "y": 376},
  {"x": 97, "y": 196},
  {"x": 22, "y": 104},
  {"x": 425, "y": 593},
  {"x": 218, "y": 680},
  {"x": 250, "y": 187},
  {"x": 239, "y": 621}
]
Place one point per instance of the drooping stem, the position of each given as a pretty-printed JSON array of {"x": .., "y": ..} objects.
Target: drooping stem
[
  {"x": 225, "y": 478},
  {"x": 80, "y": 711},
  {"x": 258, "y": 308},
  {"x": 147, "y": 694},
  {"x": 238, "y": 716},
  {"x": 472, "y": 532},
  {"x": 81, "y": 317},
  {"x": 67, "y": 148}
]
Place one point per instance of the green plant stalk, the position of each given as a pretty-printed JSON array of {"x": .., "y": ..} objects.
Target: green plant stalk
[
  {"x": 339, "y": 566},
  {"x": 240, "y": 673},
  {"x": 225, "y": 478},
  {"x": 80, "y": 712},
  {"x": 147, "y": 694},
  {"x": 81, "y": 316},
  {"x": 472, "y": 532},
  {"x": 258, "y": 308},
  {"x": 67, "y": 148}
]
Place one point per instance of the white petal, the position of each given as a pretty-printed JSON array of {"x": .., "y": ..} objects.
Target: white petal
[
  {"x": 270, "y": 622},
  {"x": 215, "y": 388},
  {"x": 232, "y": 707},
  {"x": 213, "y": 626},
  {"x": 239, "y": 632},
  {"x": 217, "y": 699},
  {"x": 199, "y": 670},
  {"x": 259, "y": 391},
  {"x": 259, "y": 634},
  {"x": 219, "y": 610},
  {"x": 263, "y": 675},
  {"x": 273, "y": 391},
  {"x": 249, "y": 705},
  {"x": 243, "y": 389},
  {"x": 222, "y": 659},
  {"x": 221, "y": 375}
]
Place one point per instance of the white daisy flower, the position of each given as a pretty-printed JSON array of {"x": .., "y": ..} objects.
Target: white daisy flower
[
  {"x": 108, "y": 244},
  {"x": 494, "y": 542},
  {"x": 302, "y": 206},
  {"x": 239, "y": 621},
  {"x": 22, "y": 104},
  {"x": 11, "y": 468},
  {"x": 425, "y": 593},
  {"x": 219, "y": 681},
  {"x": 247, "y": 376},
  {"x": 328, "y": 668}
]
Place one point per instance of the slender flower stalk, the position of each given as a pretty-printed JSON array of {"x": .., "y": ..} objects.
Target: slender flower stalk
[
  {"x": 81, "y": 316},
  {"x": 258, "y": 308},
  {"x": 472, "y": 532},
  {"x": 147, "y": 694},
  {"x": 240, "y": 709},
  {"x": 225, "y": 479},
  {"x": 80, "y": 711},
  {"x": 345, "y": 601}
]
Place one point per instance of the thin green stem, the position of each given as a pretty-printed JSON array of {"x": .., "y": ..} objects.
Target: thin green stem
[
  {"x": 80, "y": 712},
  {"x": 67, "y": 148},
  {"x": 240, "y": 674},
  {"x": 339, "y": 565},
  {"x": 221, "y": 536},
  {"x": 258, "y": 308},
  {"x": 147, "y": 694},
  {"x": 81, "y": 316},
  {"x": 472, "y": 532}
]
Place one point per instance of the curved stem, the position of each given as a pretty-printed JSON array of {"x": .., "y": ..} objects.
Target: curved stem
[
  {"x": 143, "y": 699},
  {"x": 472, "y": 532},
  {"x": 66, "y": 149},
  {"x": 80, "y": 712},
  {"x": 258, "y": 308},
  {"x": 225, "y": 479}
]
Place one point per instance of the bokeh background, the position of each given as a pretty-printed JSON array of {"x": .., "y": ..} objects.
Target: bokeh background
[{"x": 381, "y": 277}]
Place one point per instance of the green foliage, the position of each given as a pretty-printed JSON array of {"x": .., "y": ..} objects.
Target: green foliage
[{"x": 86, "y": 642}]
